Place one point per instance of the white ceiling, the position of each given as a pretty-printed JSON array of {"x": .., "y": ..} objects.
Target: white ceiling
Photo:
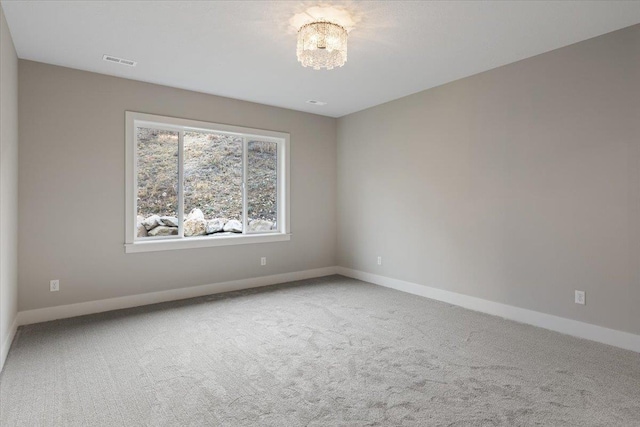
[{"x": 246, "y": 49}]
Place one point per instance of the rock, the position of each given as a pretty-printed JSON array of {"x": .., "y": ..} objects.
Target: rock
[
  {"x": 215, "y": 225},
  {"x": 152, "y": 222},
  {"x": 195, "y": 227},
  {"x": 142, "y": 232},
  {"x": 234, "y": 226},
  {"x": 260, "y": 225},
  {"x": 195, "y": 214},
  {"x": 163, "y": 230},
  {"x": 169, "y": 221}
]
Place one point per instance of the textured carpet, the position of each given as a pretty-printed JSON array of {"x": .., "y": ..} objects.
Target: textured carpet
[{"x": 323, "y": 352}]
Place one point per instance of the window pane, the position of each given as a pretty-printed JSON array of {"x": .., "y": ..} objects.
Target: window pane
[
  {"x": 212, "y": 183},
  {"x": 262, "y": 185},
  {"x": 157, "y": 168}
]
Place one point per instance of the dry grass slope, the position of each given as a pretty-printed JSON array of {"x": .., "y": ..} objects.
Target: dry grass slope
[{"x": 212, "y": 175}]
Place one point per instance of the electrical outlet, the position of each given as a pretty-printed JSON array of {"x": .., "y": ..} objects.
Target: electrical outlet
[
  {"x": 580, "y": 297},
  {"x": 54, "y": 285},
  {"x": 379, "y": 260},
  {"x": 263, "y": 260}
]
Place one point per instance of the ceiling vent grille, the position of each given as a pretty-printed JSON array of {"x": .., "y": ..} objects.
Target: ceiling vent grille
[{"x": 117, "y": 60}]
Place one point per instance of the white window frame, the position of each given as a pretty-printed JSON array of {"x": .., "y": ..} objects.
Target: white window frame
[{"x": 134, "y": 244}]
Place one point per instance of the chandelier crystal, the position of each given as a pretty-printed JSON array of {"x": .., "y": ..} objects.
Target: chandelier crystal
[{"x": 322, "y": 44}]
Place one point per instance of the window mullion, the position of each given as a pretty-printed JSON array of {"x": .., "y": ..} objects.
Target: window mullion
[
  {"x": 181, "y": 184},
  {"x": 244, "y": 186}
]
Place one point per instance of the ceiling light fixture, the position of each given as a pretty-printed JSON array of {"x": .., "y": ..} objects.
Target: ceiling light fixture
[{"x": 322, "y": 44}]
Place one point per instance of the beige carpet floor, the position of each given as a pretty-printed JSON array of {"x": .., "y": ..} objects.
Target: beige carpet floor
[{"x": 323, "y": 352}]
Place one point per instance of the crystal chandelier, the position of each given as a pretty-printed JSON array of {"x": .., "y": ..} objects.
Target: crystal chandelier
[{"x": 322, "y": 44}]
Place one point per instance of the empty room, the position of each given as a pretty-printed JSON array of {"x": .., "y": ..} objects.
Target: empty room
[{"x": 301, "y": 213}]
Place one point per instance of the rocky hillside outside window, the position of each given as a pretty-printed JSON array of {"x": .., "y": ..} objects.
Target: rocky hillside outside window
[{"x": 196, "y": 181}]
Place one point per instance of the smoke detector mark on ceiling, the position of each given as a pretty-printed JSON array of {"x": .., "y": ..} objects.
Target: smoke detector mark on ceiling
[
  {"x": 316, "y": 102},
  {"x": 116, "y": 60}
]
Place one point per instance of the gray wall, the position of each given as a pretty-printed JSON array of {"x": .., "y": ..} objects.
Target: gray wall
[
  {"x": 517, "y": 185},
  {"x": 8, "y": 184},
  {"x": 71, "y": 189}
]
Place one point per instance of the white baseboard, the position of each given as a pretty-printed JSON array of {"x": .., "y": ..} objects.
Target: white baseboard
[
  {"x": 563, "y": 325},
  {"x": 575, "y": 328},
  {"x": 6, "y": 343},
  {"x": 72, "y": 310}
]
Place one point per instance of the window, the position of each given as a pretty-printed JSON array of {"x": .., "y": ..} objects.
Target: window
[{"x": 193, "y": 184}]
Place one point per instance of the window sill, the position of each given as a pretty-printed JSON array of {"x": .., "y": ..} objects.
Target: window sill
[{"x": 203, "y": 242}]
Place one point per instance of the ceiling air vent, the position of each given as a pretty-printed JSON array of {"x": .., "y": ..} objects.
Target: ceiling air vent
[{"x": 117, "y": 60}]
